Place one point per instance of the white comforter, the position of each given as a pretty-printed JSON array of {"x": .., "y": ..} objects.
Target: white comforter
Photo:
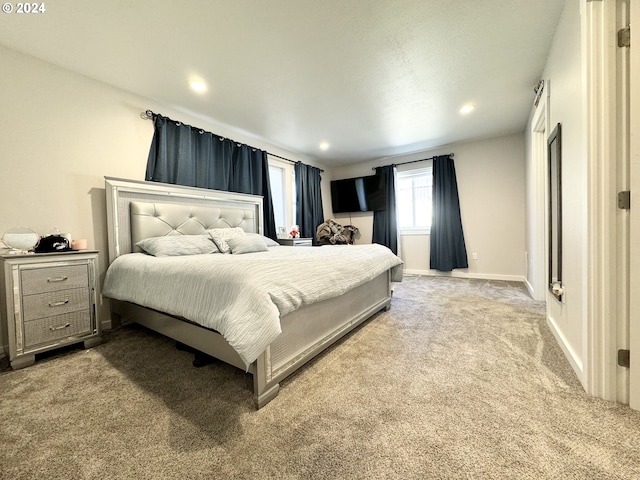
[{"x": 243, "y": 296}]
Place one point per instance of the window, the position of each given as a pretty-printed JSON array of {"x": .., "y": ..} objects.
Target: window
[
  {"x": 278, "y": 194},
  {"x": 414, "y": 201},
  {"x": 282, "y": 182}
]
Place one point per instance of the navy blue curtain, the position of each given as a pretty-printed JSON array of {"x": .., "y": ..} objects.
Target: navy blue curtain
[
  {"x": 309, "y": 212},
  {"x": 385, "y": 225},
  {"x": 184, "y": 155},
  {"x": 448, "y": 250}
]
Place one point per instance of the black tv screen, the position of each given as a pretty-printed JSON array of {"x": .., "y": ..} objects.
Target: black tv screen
[{"x": 359, "y": 194}]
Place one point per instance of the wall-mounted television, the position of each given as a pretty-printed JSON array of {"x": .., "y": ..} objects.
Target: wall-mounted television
[{"x": 359, "y": 194}]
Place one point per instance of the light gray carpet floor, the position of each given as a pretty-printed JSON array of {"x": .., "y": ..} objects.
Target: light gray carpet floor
[{"x": 460, "y": 379}]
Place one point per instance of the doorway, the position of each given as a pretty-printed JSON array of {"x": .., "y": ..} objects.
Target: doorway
[{"x": 536, "y": 251}]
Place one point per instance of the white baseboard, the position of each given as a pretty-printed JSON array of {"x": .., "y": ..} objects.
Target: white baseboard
[
  {"x": 481, "y": 276},
  {"x": 574, "y": 360},
  {"x": 529, "y": 288}
]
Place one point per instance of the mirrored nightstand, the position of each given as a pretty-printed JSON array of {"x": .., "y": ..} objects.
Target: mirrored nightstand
[
  {"x": 295, "y": 242},
  {"x": 48, "y": 300}
]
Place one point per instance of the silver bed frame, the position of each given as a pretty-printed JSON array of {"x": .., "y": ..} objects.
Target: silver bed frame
[{"x": 305, "y": 332}]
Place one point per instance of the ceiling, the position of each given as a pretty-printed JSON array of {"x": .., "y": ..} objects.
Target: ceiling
[{"x": 373, "y": 78}]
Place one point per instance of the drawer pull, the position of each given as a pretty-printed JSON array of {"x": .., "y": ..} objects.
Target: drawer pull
[
  {"x": 57, "y": 304},
  {"x": 57, "y": 279},
  {"x": 61, "y": 327}
]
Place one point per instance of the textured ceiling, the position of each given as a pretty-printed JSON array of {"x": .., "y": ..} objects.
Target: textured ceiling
[{"x": 373, "y": 78}]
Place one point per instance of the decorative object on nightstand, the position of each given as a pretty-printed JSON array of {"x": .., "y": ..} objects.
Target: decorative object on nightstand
[
  {"x": 295, "y": 242},
  {"x": 20, "y": 239},
  {"x": 79, "y": 244},
  {"x": 53, "y": 243},
  {"x": 48, "y": 300}
]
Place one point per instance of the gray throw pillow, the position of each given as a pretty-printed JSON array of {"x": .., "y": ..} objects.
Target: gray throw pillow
[
  {"x": 268, "y": 241},
  {"x": 174, "y": 245},
  {"x": 247, "y": 244}
]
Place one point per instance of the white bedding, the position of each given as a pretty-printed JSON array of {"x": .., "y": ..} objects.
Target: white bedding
[{"x": 243, "y": 296}]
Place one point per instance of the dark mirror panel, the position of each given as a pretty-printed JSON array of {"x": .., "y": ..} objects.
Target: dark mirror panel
[{"x": 554, "y": 151}]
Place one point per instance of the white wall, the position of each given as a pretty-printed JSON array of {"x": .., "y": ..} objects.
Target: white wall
[
  {"x": 491, "y": 184},
  {"x": 563, "y": 71},
  {"x": 61, "y": 134}
]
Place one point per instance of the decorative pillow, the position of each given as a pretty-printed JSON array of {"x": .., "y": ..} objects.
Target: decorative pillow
[
  {"x": 174, "y": 245},
  {"x": 220, "y": 237},
  {"x": 269, "y": 242},
  {"x": 247, "y": 244}
]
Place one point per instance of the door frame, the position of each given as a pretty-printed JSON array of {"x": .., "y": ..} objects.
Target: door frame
[
  {"x": 603, "y": 136},
  {"x": 537, "y": 257},
  {"x": 634, "y": 212}
]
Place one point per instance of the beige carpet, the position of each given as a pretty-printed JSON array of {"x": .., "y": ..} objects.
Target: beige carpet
[{"x": 460, "y": 379}]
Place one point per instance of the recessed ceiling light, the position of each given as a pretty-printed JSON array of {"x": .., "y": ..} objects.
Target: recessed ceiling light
[
  {"x": 467, "y": 109},
  {"x": 324, "y": 145},
  {"x": 198, "y": 86}
]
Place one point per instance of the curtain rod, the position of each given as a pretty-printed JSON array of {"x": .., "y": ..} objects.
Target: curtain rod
[
  {"x": 149, "y": 115},
  {"x": 290, "y": 161},
  {"x": 413, "y": 161}
]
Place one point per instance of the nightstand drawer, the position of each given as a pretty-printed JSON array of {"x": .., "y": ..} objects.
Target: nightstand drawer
[
  {"x": 53, "y": 328},
  {"x": 55, "y": 303},
  {"x": 50, "y": 279}
]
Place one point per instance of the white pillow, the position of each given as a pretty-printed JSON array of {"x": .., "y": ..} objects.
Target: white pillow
[
  {"x": 221, "y": 235},
  {"x": 268, "y": 241},
  {"x": 174, "y": 245},
  {"x": 247, "y": 244}
]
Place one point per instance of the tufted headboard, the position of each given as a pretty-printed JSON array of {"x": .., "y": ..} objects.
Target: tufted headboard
[
  {"x": 160, "y": 219},
  {"x": 137, "y": 210}
]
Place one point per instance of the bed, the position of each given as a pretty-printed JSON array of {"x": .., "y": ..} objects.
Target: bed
[{"x": 289, "y": 315}]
